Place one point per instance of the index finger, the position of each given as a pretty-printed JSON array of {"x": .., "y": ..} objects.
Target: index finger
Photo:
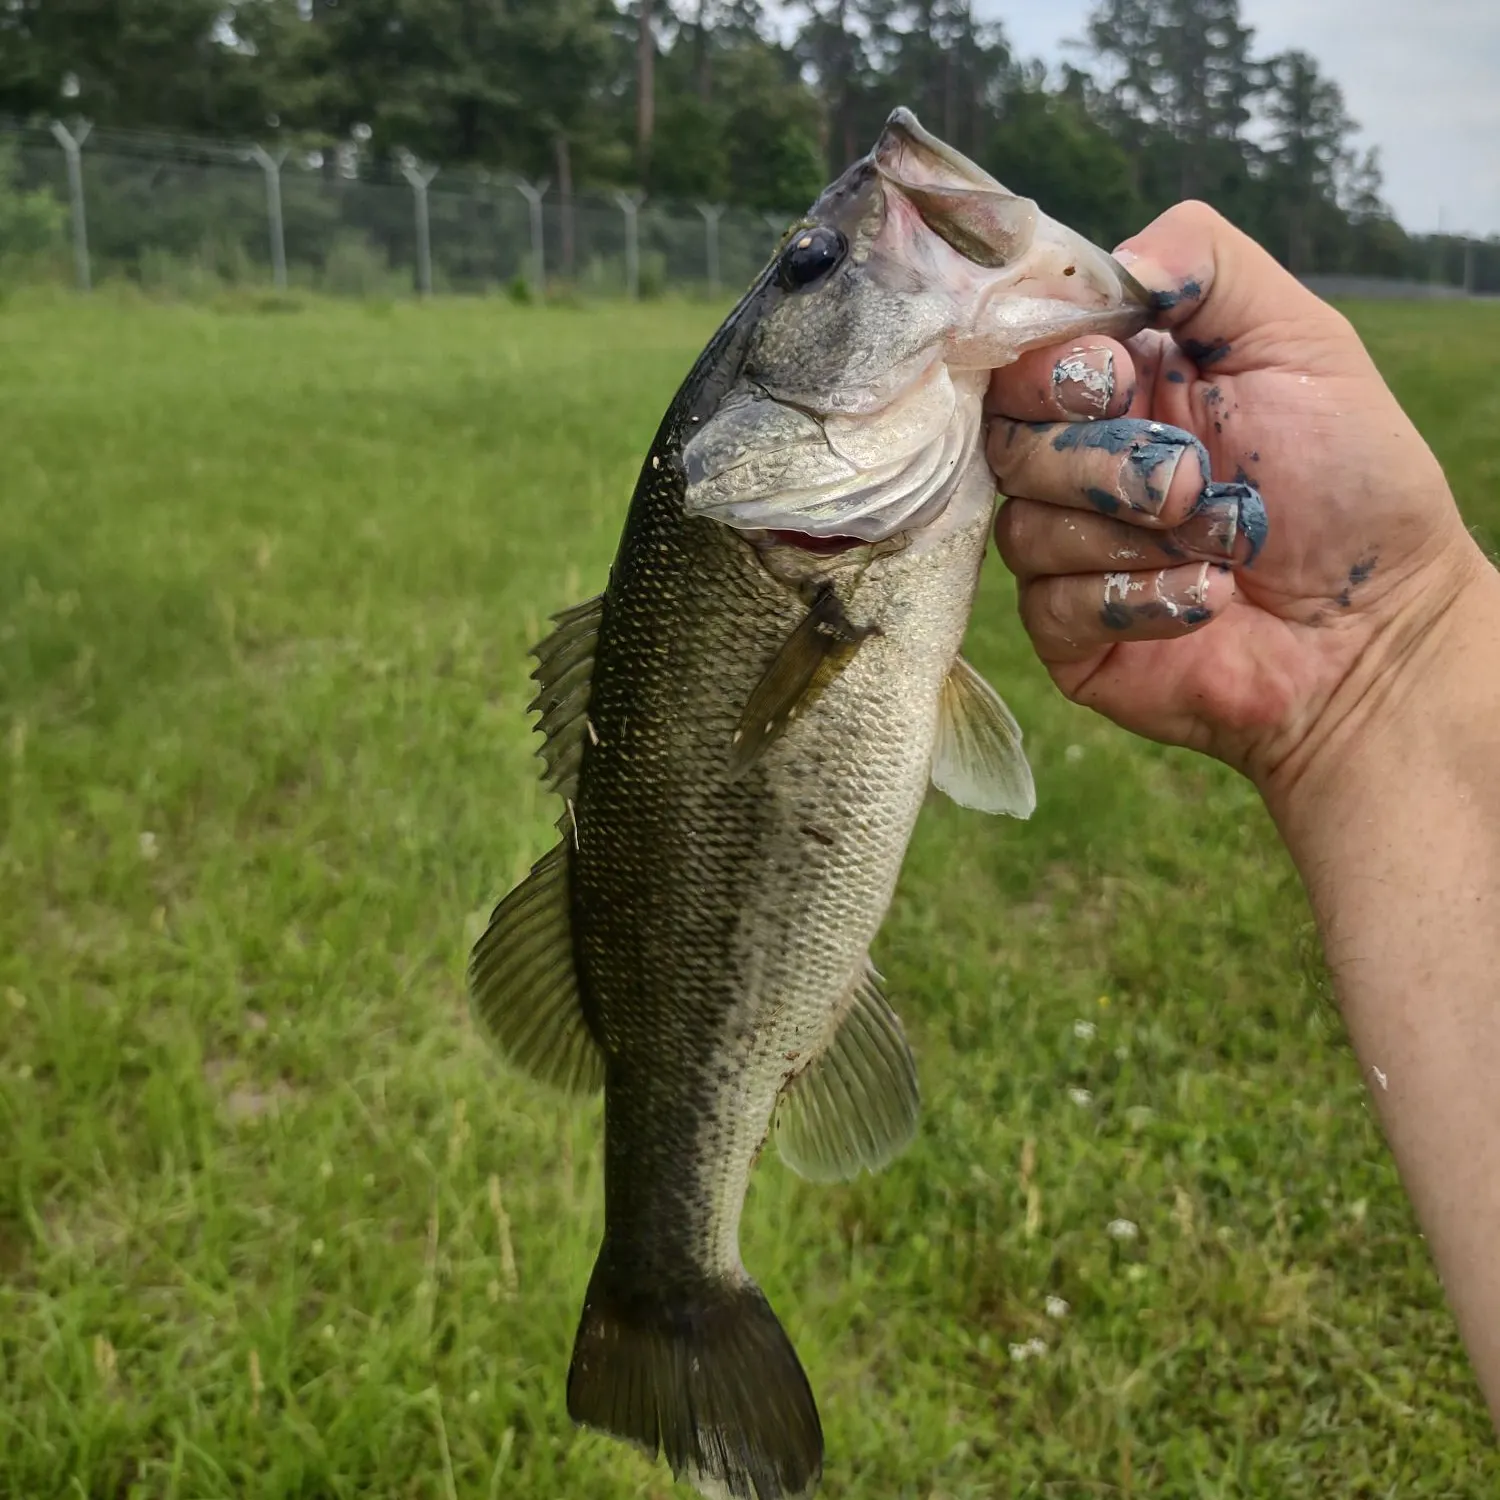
[{"x": 1225, "y": 300}]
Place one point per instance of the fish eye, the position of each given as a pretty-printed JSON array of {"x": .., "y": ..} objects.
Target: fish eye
[{"x": 809, "y": 255}]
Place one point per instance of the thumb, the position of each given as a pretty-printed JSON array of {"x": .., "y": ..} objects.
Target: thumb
[{"x": 1228, "y": 304}]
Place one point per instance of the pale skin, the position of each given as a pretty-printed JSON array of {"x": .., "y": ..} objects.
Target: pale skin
[{"x": 1352, "y": 672}]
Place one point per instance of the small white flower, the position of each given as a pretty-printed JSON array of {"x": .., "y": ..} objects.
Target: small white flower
[
  {"x": 148, "y": 846},
  {"x": 1080, "y": 1096},
  {"x": 1122, "y": 1229},
  {"x": 1057, "y": 1307},
  {"x": 1031, "y": 1349},
  {"x": 1085, "y": 1031},
  {"x": 1073, "y": 754}
]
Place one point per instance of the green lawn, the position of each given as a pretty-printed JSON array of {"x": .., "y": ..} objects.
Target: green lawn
[{"x": 273, "y": 1220}]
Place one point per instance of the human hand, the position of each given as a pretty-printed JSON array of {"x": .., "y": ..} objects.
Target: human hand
[{"x": 1150, "y": 598}]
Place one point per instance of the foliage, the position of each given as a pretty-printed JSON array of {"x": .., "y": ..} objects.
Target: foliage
[
  {"x": 736, "y": 101},
  {"x": 273, "y": 1220},
  {"x": 32, "y": 221}
]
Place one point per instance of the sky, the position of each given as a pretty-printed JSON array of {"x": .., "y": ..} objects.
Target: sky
[{"x": 1422, "y": 77}]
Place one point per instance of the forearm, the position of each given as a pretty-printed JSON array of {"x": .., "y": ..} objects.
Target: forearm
[{"x": 1395, "y": 828}]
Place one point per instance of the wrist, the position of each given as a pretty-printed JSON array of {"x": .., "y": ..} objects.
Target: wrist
[{"x": 1421, "y": 703}]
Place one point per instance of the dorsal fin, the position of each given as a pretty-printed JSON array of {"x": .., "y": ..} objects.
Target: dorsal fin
[{"x": 564, "y": 673}]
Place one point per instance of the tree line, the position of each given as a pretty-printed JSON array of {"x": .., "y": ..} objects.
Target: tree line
[{"x": 734, "y": 101}]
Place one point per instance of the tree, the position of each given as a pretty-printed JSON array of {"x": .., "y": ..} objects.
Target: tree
[
  {"x": 1183, "y": 70},
  {"x": 1047, "y": 146},
  {"x": 1310, "y": 158},
  {"x": 141, "y": 63}
]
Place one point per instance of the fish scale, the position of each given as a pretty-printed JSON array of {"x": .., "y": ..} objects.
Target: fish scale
[{"x": 743, "y": 728}]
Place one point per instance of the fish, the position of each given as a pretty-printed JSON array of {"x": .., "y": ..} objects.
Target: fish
[{"x": 743, "y": 727}]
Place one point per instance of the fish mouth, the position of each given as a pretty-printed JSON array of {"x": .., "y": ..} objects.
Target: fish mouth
[
  {"x": 944, "y": 275},
  {"x": 810, "y": 542},
  {"x": 997, "y": 230}
]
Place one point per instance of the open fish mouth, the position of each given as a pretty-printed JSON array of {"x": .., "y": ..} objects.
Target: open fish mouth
[
  {"x": 993, "y": 228},
  {"x": 857, "y": 406}
]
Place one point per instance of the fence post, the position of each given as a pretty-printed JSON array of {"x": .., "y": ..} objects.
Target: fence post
[
  {"x": 419, "y": 176},
  {"x": 630, "y": 204},
  {"x": 271, "y": 166},
  {"x": 72, "y": 144},
  {"x": 533, "y": 193},
  {"x": 712, "y": 213}
]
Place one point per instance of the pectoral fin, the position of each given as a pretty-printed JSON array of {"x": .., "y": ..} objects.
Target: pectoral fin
[
  {"x": 524, "y": 985},
  {"x": 809, "y": 659},
  {"x": 856, "y": 1105},
  {"x": 978, "y": 760}
]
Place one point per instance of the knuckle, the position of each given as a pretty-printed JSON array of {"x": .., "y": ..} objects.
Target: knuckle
[
  {"x": 1013, "y": 532},
  {"x": 1045, "y": 613}
]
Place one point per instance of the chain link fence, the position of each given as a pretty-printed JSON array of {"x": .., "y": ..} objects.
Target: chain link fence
[
  {"x": 183, "y": 216},
  {"x": 186, "y": 217}
]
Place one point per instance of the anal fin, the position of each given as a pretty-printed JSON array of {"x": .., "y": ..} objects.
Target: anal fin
[
  {"x": 978, "y": 760},
  {"x": 524, "y": 984},
  {"x": 855, "y": 1106}
]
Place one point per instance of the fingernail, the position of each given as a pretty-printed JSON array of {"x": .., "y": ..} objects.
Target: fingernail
[
  {"x": 1154, "y": 461},
  {"x": 1229, "y": 520},
  {"x": 1149, "y": 452},
  {"x": 1184, "y": 593},
  {"x": 1083, "y": 381}
]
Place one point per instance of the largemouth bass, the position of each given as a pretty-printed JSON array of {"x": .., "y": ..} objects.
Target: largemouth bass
[{"x": 743, "y": 727}]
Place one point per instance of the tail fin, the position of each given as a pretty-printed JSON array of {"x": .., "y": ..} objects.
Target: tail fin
[{"x": 713, "y": 1383}]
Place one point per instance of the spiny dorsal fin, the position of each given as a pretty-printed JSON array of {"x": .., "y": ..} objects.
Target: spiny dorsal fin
[
  {"x": 564, "y": 670},
  {"x": 809, "y": 659},
  {"x": 856, "y": 1104},
  {"x": 524, "y": 985},
  {"x": 978, "y": 760}
]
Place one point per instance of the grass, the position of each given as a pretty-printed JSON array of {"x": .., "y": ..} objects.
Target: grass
[{"x": 273, "y": 1222}]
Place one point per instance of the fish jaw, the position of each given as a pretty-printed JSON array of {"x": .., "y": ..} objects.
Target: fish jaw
[
  {"x": 857, "y": 405},
  {"x": 1037, "y": 281}
]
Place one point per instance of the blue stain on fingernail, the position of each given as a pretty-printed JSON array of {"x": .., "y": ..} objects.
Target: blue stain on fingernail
[
  {"x": 1196, "y": 615},
  {"x": 1116, "y": 616},
  {"x": 1148, "y": 445},
  {"x": 1176, "y": 377},
  {"x": 1102, "y": 501},
  {"x": 1252, "y": 520}
]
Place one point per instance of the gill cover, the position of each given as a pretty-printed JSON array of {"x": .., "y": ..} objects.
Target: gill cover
[{"x": 857, "y": 404}]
